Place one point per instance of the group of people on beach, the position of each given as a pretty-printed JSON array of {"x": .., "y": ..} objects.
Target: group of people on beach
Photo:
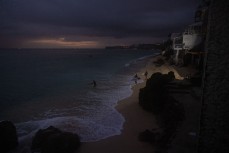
[{"x": 136, "y": 77}]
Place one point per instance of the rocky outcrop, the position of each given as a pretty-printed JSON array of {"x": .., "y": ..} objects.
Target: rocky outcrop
[
  {"x": 53, "y": 140},
  {"x": 8, "y": 136},
  {"x": 155, "y": 94},
  {"x": 155, "y": 97},
  {"x": 149, "y": 135}
]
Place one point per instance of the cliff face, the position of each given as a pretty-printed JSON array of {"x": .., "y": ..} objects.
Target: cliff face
[{"x": 214, "y": 128}]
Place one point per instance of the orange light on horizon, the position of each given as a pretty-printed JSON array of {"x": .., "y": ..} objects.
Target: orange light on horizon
[{"x": 61, "y": 42}]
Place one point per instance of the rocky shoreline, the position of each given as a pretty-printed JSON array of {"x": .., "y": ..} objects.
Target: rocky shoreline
[{"x": 49, "y": 140}]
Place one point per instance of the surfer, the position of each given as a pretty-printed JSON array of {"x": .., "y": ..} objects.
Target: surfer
[{"x": 94, "y": 83}]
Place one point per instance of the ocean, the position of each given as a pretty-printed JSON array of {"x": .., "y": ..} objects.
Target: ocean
[{"x": 44, "y": 87}]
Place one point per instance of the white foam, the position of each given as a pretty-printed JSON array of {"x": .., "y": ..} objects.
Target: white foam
[
  {"x": 101, "y": 120},
  {"x": 144, "y": 57},
  {"x": 87, "y": 129},
  {"x": 127, "y": 64}
]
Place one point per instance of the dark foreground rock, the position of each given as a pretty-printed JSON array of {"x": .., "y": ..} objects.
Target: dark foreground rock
[
  {"x": 149, "y": 136},
  {"x": 53, "y": 140},
  {"x": 155, "y": 97},
  {"x": 8, "y": 136}
]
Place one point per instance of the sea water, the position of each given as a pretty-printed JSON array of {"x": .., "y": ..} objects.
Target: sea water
[{"x": 53, "y": 87}]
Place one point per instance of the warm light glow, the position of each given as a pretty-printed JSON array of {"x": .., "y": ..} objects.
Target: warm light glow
[{"x": 61, "y": 42}]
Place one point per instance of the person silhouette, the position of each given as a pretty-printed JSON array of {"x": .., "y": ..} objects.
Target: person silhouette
[
  {"x": 136, "y": 78},
  {"x": 146, "y": 74},
  {"x": 94, "y": 83}
]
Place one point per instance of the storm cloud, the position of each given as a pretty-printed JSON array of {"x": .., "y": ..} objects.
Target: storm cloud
[{"x": 106, "y": 22}]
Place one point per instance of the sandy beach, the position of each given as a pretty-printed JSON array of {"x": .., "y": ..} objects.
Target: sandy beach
[{"x": 137, "y": 120}]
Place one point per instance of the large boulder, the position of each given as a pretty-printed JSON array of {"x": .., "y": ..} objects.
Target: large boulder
[
  {"x": 53, "y": 140},
  {"x": 148, "y": 136},
  {"x": 154, "y": 95},
  {"x": 8, "y": 136}
]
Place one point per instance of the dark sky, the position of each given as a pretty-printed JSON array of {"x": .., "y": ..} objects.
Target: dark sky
[{"x": 91, "y": 23}]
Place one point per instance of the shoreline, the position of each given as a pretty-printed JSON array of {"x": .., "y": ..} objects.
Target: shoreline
[{"x": 136, "y": 119}]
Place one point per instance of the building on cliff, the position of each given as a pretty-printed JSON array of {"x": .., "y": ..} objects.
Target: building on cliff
[{"x": 188, "y": 46}]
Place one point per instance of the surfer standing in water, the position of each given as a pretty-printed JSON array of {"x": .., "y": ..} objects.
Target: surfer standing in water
[{"x": 94, "y": 83}]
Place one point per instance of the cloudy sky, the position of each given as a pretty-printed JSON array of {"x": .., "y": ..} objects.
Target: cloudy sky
[{"x": 90, "y": 23}]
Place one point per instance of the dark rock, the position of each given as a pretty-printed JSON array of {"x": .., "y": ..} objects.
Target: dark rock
[
  {"x": 53, "y": 140},
  {"x": 41, "y": 137},
  {"x": 8, "y": 136},
  {"x": 155, "y": 97},
  {"x": 196, "y": 81},
  {"x": 147, "y": 136}
]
